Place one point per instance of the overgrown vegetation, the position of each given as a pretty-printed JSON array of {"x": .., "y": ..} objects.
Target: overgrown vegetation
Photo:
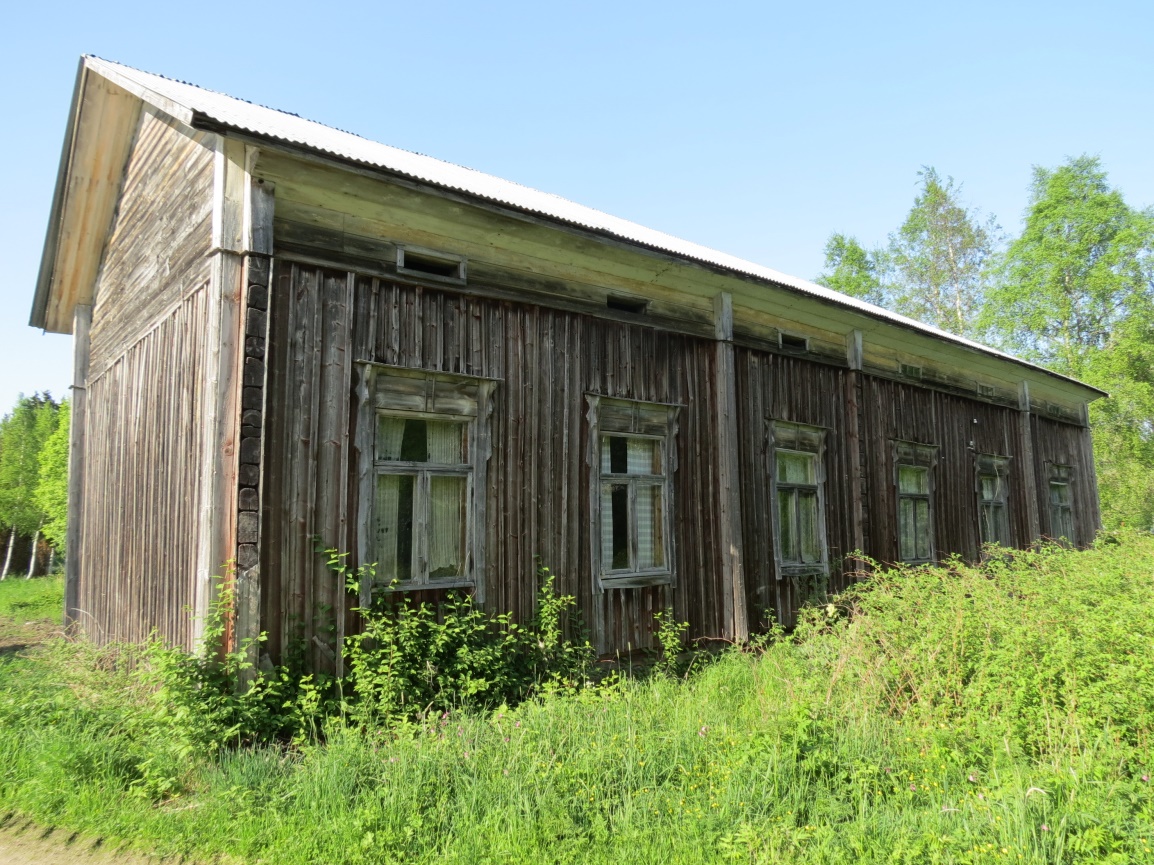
[{"x": 958, "y": 714}]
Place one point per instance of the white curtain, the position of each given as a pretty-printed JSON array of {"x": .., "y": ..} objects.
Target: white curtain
[
  {"x": 444, "y": 441},
  {"x": 446, "y": 528},
  {"x": 386, "y": 508}
]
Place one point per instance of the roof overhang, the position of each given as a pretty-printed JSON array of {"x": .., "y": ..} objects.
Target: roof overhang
[
  {"x": 106, "y": 106},
  {"x": 101, "y": 126}
]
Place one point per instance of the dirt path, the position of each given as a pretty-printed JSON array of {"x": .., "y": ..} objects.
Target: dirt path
[{"x": 24, "y": 843}]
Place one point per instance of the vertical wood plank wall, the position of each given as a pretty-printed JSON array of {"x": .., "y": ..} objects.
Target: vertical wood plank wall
[
  {"x": 323, "y": 319},
  {"x": 137, "y": 547},
  {"x": 1067, "y": 445},
  {"x": 538, "y": 503},
  {"x": 961, "y": 429},
  {"x": 790, "y": 389}
]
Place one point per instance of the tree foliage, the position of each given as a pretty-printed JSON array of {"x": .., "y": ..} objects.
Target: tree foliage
[
  {"x": 23, "y": 433},
  {"x": 854, "y": 270},
  {"x": 940, "y": 257},
  {"x": 51, "y": 494},
  {"x": 1074, "y": 292},
  {"x": 1077, "y": 294}
]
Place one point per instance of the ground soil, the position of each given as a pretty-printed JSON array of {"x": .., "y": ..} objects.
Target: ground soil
[{"x": 23, "y": 843}]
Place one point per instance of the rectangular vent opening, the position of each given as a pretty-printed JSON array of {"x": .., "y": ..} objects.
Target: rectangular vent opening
[
  {"x": 421, "y": 263},
  {"x": 794, "y": 343},
  {"x": 986, "y": 390},
  {"x": 911, "y": 371},
  {"x": 627, "y": 304}
]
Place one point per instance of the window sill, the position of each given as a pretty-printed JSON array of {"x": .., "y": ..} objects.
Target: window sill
[
  {"x": 431, "y": 585},
  {"x": 636, "y": 580},
  {"x": 792, "y": 570}
]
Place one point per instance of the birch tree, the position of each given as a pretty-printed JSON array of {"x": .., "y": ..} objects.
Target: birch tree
[
  {"x": 22, "y": 436},
  {"x": 941, "y": 256}
]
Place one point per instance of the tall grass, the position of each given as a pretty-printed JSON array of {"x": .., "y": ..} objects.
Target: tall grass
[
  {"x": 991, "y": 714},
  {"x": 37, "y": 598}
]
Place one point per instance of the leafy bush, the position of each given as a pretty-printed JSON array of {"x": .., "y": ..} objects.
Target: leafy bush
[
  {"x": 410, "y": 660},
  {"x": 1045, "y": 649}
]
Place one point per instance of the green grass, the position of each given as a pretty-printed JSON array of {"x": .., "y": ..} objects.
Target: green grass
[
  {"x": 1001, "y": 714},
  {"x": 38, "y": 598}
]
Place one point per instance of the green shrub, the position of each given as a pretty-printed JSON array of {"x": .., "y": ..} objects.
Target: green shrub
[{"x": 410, "y": 660}]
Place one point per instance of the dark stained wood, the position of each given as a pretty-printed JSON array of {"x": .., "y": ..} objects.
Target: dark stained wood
[
  {"x": 1057, "y": 443},
  {"x": 537, "y": 504}
]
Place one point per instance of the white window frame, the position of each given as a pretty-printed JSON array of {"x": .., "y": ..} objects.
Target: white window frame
[
  {"x": 918, "y": 456},
  {"x": 638, "y": 420},
  {"x": 993, "y": 465},
  {"x": 413, "y": 394},
  {"x": 789, "y": 437}
]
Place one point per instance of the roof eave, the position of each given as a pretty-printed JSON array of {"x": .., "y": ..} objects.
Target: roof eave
[
  {"x": 208, "y": 123},
  {"x": 39, "y": 315}
]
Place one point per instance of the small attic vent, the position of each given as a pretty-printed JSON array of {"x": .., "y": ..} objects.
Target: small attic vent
[
  {"x": 911, "y": 371},
  {"x": 426, "y": 263},
  {"x": 986, "y": 390},
  {"x": 793, "y": 343},
  {"x": 627, "y": 304}
]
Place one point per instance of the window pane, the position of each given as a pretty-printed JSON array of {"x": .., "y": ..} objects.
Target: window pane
[
  {"x": 1059, "y": 493},
  {"x": 644, "y": 457},
  {"x": 991, "y": 488},
  {"x": 785, "y": 518},
  {"x": 795, "y": 468},
  {"x": 390, "y": 431},
  {"x": 446, "y": 532},
  {"x": 420, "y": 441},
  {"x": 922, "y": 529},
  {"x": 807, "y": 521},
  {"x": 650, "y": 528},
  {"x": 994, "y": 526},
  {"x": 907, "y": 546},
  {"x": 614, "y": 455},
  {"x": 394, "y": 529},
  {"x": 615, "y": 527},
  {"x": 914, "y": 480},
  {"x": 446, "y": 442},
  {"x": 985, "y": 523}
]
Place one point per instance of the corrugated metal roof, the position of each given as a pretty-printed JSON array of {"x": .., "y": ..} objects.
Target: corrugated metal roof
[{"x": 185, "y": 101}]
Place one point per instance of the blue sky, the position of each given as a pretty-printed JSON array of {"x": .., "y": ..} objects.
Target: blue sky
[{"x": 755, "y": 128}]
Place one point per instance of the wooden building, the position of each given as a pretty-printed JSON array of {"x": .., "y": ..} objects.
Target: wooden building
[{"x": 285, "y": 332}]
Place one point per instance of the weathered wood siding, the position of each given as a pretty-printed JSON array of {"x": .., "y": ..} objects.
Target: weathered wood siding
[
  {"x": 960, "y": 428},
  {"x": 143, "y": 485},
  {"x": 538, "y": 501},
  {"x": 160, "y": 236},
  {"x": 146, "y": 391},
  {"x": 1067, "y": 445},
  {"x": 778, "y": 387}
]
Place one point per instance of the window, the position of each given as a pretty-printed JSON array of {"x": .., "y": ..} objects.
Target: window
[
  {"x": 1061, "y": 503},
  {"x": 798, "y": 491},
  {"x": 993, "y": 499},
  {"x": 423, "y": 442},
  {"x": 421, "y": 506},
  {"x": 914, "y": 465},
  {"x": 632, "y": 496}
]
